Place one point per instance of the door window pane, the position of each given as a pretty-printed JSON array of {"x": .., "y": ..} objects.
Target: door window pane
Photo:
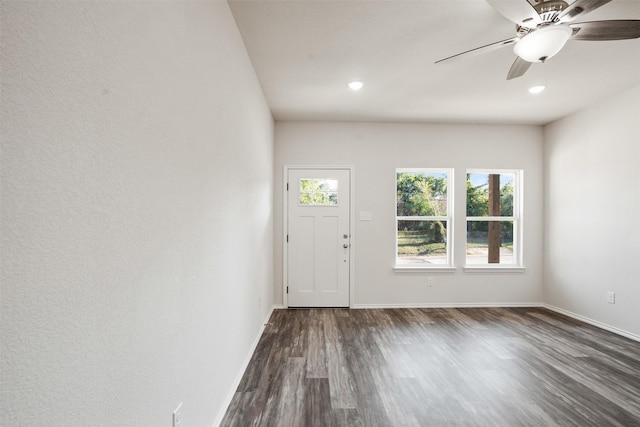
[{"x": 318, "y": 192}]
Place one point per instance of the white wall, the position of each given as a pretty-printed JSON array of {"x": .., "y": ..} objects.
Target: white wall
[
  {"x": 137, "y": 166},
  {"x": 592, "y": 202},
  {"x": 376, "y": 150}
]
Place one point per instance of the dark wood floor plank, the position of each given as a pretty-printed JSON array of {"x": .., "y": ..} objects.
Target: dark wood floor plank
[
  {"x": 291, "y": 409},
  {"x": 317, "y": 403},
  {"x": 316, "y": 351},
  {"x": 437, "y": 367},
  {"x": 237, "y": 413},
  {"x": 252, "y": 374},
  {"x": 364, "y": 358},
  {"x": 346, "y": 418},
  {"x": 340, "y": 380}
]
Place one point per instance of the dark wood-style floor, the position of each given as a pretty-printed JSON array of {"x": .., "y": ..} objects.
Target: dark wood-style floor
[{"x": 437, "y": 367}]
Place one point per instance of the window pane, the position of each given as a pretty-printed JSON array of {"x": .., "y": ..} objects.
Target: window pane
[
  {"x": 479, "y": 188},
  {"x": 318, "y": 192},
  {"x": 490, "y": 242},
  {"x": 330, "y": 185},
  {"x": 421, "y": 194},
  {"x": 422, "y": 242},
  {"x": 306, "y": 184}
]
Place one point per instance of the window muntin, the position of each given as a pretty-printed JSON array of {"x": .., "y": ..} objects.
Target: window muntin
[
  {"x": 493, "y": 218},
  {"x": 318, "y": 192},
  {"x": 423, "y": 217}
]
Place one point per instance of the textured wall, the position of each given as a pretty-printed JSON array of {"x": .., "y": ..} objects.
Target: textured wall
[
  {"x": 137, "y": 165},
  {"x": 592, "y": 201},
  {"x": 376, "y": 150}
]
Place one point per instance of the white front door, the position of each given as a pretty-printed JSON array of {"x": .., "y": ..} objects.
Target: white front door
[{"x": 318, "y": 237}]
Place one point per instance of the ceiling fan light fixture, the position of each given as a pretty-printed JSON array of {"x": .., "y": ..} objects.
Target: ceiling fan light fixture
[{"x": 542, "y": 44}]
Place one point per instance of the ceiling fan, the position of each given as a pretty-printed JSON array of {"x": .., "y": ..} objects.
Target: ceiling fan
[{"x": 543, "y": 28}]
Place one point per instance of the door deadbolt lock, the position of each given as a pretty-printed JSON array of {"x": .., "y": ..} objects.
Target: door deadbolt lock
[{"x": 345, "y": 236}]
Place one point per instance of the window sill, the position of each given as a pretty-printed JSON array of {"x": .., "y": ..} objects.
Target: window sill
[
  {"x": 493, "y": 269},
  {"x": 422, "y": 268}
]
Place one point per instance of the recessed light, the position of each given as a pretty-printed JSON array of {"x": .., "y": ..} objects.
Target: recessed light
[
  {"x": 355, "y": 85},
  {"x": 537, "y": 89}
]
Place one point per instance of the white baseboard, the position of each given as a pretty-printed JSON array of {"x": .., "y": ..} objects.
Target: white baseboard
[
  {"x": 236, "y": 382},
  {"x": 450, "y": 305},
  {"x": 593, "y": 322}
]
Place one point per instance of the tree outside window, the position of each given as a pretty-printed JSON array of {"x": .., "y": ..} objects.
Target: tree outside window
[
  {"x": 423, "y": 217},
  {"x": 493, "y": 217}
]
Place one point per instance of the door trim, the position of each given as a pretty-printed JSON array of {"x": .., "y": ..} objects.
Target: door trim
[{"x": 285, "y": 228}]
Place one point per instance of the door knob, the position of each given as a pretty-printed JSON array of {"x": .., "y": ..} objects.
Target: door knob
[{"x": 346, "y": 245}]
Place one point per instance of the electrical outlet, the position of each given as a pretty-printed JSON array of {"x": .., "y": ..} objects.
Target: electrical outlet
[
  {"x": 429, "y": 280},
  {"x": 177, "y": 416},
  {"x": 611, "y": 297}
]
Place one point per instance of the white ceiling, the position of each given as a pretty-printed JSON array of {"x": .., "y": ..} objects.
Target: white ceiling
[{"x": 306, "y": 51}]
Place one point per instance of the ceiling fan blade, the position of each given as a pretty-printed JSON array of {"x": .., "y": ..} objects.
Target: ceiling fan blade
[
  {"x": 518, "y": 68},
  {"x": 519, "y": 11},
  {"x": 620, "y": 29},
  {"x": 481, "y": 49},
  {"x": 580, "y": 7}
]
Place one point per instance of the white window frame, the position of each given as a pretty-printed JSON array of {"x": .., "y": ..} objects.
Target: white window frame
[
  {"x": 449, "y": 218},
  {"x": 517, "y": 218}
]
